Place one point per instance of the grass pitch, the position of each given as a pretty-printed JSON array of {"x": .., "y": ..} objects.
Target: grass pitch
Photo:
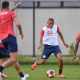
[{"x": 71, "y": 71}]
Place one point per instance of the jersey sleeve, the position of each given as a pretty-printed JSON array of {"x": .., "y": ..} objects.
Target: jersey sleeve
[
  {"x": 13, "y": 15},
  {"x": 41, "y": 33},
  {"x": 78, "y": 37}
]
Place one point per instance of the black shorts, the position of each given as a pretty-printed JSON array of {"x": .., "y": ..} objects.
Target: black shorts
[{"x": 10, "y": 46}]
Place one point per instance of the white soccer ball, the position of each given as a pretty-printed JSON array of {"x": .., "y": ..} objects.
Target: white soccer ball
[{"x": 51, "y": 73}]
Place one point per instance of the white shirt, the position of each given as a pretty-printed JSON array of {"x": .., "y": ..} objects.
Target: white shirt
[{"x": 50, "y": 35}]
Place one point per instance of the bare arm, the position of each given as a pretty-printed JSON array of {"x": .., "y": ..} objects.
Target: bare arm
[
  {"x": 40, "y": 41},
  {"x": 19, "y": 27},
  {"x": 75, "y": 50},
  {"x": 41, "y": 37},
  {"x": 62, "y": 38},
  {"x": 76, "y": 47},
  {"x": 17, "y": 5}
]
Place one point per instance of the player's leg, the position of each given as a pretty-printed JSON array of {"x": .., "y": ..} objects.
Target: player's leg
[
  {"x": 58, "y": 55},
  {"x": 3, "y": 74},
  {"x": 17, "y": 67},
  {"x": 19, "y": 71},
  {"x": 45, "y": 55},
  {"x": 1, "y": 61},
  {"x": 60, "y": 61},
  {"x": 75, "y": 50},
  {"x": 2, "y": 57},
  {"x": 11, "y": 57},
  {"x": 37, "y": 63},
  {"x": 11, "y": 44},
  {"x": 8, "y": 62}
]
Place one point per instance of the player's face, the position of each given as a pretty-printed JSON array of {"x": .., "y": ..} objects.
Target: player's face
[{"x": 50, "y": 24}]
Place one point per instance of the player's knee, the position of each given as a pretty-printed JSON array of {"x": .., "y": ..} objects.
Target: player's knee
[
  {"x": 61, "y": 60},
  {"x": 14, "y": 59}
]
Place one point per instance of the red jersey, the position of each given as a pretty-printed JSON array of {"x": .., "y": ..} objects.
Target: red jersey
[
  {"x": 78, "y": 37},
  {"x": 6, "y": 24}
]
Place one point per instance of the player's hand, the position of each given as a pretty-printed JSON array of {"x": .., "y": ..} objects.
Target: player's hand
[
  {"x": 22, "y": 36},
  {"x": 39, "y": 47},
  {"x": 66, "y": 45},
  {"x": 18, "y": 4},
  {"x": 73, "y": 58}
]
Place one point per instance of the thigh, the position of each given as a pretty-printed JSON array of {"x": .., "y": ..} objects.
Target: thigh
[
  {"x": 46, "y": 53},
  {"x": 59, "y": 56},
  {"x": 56, "y": 50},
  {"x": 1, "y": 61},
  {"x": 14, "y": 56}
]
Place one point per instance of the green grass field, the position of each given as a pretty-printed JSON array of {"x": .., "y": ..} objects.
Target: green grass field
[{"x": 72, "y": 72}]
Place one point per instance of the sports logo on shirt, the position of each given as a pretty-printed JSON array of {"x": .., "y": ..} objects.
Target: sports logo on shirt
[{"x": 49, "y": 33}]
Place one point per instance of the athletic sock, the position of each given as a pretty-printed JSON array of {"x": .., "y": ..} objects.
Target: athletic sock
[
  {"x": 1, "y": 69},
  {"x": 21, "y": 74},
  {"x": 60, "y": 72}
]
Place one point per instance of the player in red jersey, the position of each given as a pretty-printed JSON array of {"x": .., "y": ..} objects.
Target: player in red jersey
[
  {"x": 76, "y": 48},
  {"x": 8, "y": 43}
]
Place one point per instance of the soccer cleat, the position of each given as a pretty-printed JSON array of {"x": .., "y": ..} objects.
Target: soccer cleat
[
  {"x": 25, "y": 77},
  {"x": 34, "y": 66},
  {"x": 61, "y": 76},
  {"x": 0, "y": 76},
  {"x": 4, "y": 75}
]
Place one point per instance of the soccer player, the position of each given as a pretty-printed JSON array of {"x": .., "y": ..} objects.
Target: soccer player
[
  {"x": 49, "y": 39},
  {"x": 16, "y": 65},
  {"x": 76, "y": 48},
  {"x": 8, "y": 42}
]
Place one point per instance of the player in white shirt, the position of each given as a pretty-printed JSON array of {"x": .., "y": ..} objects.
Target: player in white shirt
[{"x": 49, "y": 39}]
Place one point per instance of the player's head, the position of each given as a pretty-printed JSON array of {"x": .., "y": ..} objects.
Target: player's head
[
  {"x": 5, "y": 5},
  {"x": 50, "y": 22}
]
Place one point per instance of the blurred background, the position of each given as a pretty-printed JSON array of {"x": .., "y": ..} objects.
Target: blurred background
[{"x": 33, "y": 15}]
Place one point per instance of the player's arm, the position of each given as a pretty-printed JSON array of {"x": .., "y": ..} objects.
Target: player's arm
[
  {"x": 61, "y": 36},
  {"x": 17, "y": 5},
  {"x": 19, "y": 27},
  {"x": 41, "y": 38},
  {"x": 76, "y": 47}
]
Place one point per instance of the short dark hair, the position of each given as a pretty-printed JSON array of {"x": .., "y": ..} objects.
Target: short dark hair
[
  {"x": 5, "y": 4},
  {"x": 51, "y": 19}
]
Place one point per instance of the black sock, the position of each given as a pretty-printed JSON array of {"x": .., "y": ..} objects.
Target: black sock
[
  {"x": 1, "y": 69},
  {"x": 21, "y": 74},
  {"x": 60, "y": 71}
]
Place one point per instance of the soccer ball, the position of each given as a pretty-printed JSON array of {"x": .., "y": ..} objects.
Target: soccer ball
[{"x": 51, "y": 73}]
